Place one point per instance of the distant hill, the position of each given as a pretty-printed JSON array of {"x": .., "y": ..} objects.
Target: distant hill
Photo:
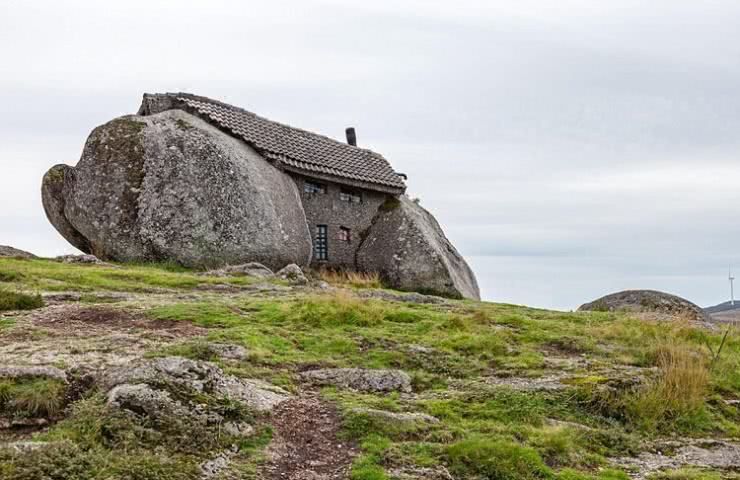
[
  {"x": 725, "y": 312},
  {"x": 723, "y": 307}
]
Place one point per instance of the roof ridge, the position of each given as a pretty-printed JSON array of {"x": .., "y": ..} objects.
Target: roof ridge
[
  {"x": 297, "y": 148},
  {"x": 244, "y": 110}
]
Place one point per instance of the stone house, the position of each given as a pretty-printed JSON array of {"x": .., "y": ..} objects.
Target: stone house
[
  {"x": 204, "y": 184},
  {"x": 342, "y": 186}
]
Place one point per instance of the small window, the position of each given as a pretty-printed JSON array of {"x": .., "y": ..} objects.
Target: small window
[
  {"x": 345, "y": 234},
  {"x": 313, "y": 187},
  {"x": 351, "y": 196},
  {"x": 321, "y": 245}
]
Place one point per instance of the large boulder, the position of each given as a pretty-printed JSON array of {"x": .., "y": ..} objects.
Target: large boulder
[
  {"x": 407, "y": 247},
  {"x": 647, "y": 301},
  {"x": 169, "y": 186}
]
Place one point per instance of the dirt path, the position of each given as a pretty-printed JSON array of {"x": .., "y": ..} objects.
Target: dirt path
[{"x": 305, "y": 445}]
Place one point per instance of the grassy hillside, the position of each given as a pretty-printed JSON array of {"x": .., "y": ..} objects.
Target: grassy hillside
[{"x": 507, "y": 392}]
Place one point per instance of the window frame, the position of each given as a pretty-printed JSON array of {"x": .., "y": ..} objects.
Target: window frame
[
  {"x": 314, "y": 188},
  {"x": 350, "y": 195},
  {"x": 321, "y": 243},
  {"x": 345, "y": 234}
]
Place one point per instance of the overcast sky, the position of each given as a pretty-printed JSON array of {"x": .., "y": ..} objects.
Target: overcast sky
[{"x": 569, "y": 148}]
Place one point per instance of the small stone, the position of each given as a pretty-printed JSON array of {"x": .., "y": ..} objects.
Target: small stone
[
  {"x": 240, "y": 429},
  {"x": 293, "y": 274},
  {"x": 228, "y": 351}
]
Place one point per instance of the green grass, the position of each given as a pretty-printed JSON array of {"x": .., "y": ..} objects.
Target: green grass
[
  {"x": 48, "y": 275},
  {"x": 450, "y": 350},
  {"x": 471, "y": 341},
  {"x": 31, "y": 398}
]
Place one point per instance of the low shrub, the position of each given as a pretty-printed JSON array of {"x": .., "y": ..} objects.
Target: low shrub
[{"x": 19, "y": 301}]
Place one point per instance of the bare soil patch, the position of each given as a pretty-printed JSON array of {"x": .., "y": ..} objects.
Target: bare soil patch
[
  {"x": 90, "y": 336},
  {"x": 306, "y": 445},
  {"x": 65, "y": 317}
]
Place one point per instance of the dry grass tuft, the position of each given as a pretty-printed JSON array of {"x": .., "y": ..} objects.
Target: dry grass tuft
[
  {"x": 678, "y": 392},
  {"x": 350, "y": 278}
]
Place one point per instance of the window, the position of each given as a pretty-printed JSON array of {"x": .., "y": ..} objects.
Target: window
[
  {"x": 321, "y": 245},
  {"x": 345, "y": 234},
  {"x": 313, "y": 187},
  {"x": 351, "y": 196}
]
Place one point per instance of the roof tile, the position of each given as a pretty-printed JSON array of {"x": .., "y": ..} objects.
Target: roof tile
[{"x": 295, "y": 148}]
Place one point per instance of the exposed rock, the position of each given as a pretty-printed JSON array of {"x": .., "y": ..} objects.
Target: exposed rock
[
  {"x": 361, "y": 379},
  {"x": 212, "y": 468},
  {"x": 701, "y": 453},
  {"x": 240, "y": 429},
  {"x": 144, "y": 400},
  {"x": 397, "y": 418},
  {"x": 199, "y": 376},
  {"x": 168, "y": 186},
  {"x": 547, "y": 382},
  {"x": 19, "y": 372},
  {"x": 407, "y": 247},
  {"x": 251, "y": 269},
  {"x": 61, "y": 297},
  {"x": 228, "y": 351},
  {"x": 6, "y": 251},
  {"x": 293, "y": 274},
  {"x": 647, "y": 301},
  {"x": 84, "y": 259}
]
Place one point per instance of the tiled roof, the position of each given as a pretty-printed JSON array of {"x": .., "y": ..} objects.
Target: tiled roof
[{"x": 295, "y": 149}]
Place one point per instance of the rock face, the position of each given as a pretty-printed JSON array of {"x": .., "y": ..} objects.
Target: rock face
[
  {"x": 647, "y": 301},
  {"x": 169, "y": 186},
  {"x": 407, "y": 247}
]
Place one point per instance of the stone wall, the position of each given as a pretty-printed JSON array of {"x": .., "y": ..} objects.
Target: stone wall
[{"x": 328, "y": 209}]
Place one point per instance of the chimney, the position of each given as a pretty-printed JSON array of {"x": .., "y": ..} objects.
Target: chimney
[{"x": 351, "y": 137}]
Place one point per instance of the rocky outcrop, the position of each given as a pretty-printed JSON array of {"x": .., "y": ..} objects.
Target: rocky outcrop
[
  {"x": 169, "y": 186},
  {"x": 407, "y": 247},
  {"x": 647, "y": 301},
  {"x": 6, "y": 251},
  {"x": 198, "y": 376}
]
